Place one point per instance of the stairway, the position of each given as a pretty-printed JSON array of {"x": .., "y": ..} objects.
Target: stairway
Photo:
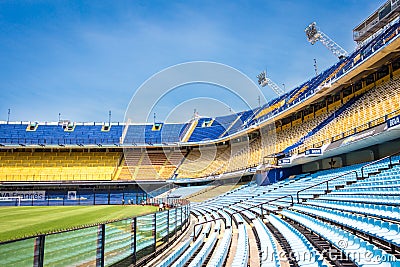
[{"x": 189, "y": 130}]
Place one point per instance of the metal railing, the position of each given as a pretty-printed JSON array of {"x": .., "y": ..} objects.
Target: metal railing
[
  {"x": 379, "y": 160},
  {"x": 236, "y": 212},
  {"x": 56, "y": 177},
  {"x": 323, "y": 182},
  {"x": 260, "y": 204},
  {"x": 201, "y": 223},
  {"x": 344, "y": 174},
  {"x": 120, "y": 242}
]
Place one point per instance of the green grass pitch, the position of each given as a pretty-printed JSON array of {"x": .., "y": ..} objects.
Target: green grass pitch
[{"x": 18, "y": 222}]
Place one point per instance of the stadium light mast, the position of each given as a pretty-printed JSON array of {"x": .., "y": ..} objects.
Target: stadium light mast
[
  {"x": 263, "y": 80},
  {"x": 314, "y": 34}
]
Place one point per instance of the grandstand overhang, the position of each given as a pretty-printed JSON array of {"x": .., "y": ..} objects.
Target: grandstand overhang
[
  {"x": 367, "y": 138},
  {"x": 386, "y": 13}
]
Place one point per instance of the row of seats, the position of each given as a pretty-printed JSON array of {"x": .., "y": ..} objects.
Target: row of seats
[
  {"x": 208, "y": 248},
  {"x": 359, "y": 251},
  {"x": 268, "y": 143},
  {"x": 183, "y": 253},
  {"x": 269, "y": 250},
  {"x": 222, "y": 249},
  {"x": 377, "y": 221},
  {"x": 390, "y": 232},
  {"x": 148, "y": 165},
  {"x": 66, "y": 159},
  {"x": 62, "y": 166},
  {"x": 384, "y": 211},
  {"x": 147, "y": 134},
  {"x": 56, "y": 135},
  {"x": 305, "y": 252},
  {"x": 378, "y": 101},
  {"x": 218, "y": 160},
  {"x": 204, "y": 162},
  {"x": 379, "y": 188}
]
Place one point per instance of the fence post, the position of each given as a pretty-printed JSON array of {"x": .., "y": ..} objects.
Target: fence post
[
  {"x": 184, "y": 217},
  {"x": 155, "y": 232},
  {"x": 188, "y": 216},
  {"x": 38, "y": 255},
  {"x": 101, "y": 229},
  {"x": 168, "y": 227},
  {"x": 134, "y": 230},
  {"x": 176, "y": 221},
  {"x": 262, "y": 212},
  {"x": 181, "y": 221}
]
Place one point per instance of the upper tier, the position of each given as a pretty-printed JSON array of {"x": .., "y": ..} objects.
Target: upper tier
[{"x": 197, "y": 130}]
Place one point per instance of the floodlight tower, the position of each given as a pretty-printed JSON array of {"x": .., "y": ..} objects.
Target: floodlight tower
[
  {"x": 314, "y": 34},
  {"x": 263, "y": 80}
]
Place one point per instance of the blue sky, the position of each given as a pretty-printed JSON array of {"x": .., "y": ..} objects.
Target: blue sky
[{"x": 84, "y": 58}]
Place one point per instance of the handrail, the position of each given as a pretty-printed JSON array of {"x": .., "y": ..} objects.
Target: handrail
[
  {"x": 362, "y": 174},
  {"x": 326, "y": 181},
  {"x": 259, "y": 204},
  {"x": 376, "y": 161},
  {"x": 201, "y": 223}
]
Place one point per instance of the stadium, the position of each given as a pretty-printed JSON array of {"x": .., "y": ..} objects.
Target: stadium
[{"x": 311, "y": 178}]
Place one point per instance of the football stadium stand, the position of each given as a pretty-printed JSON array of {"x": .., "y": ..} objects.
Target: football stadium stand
[
  {"x": 318, "y": 170},
  {"x": 58, "y": 166},
  {"x": 67, "y": 133},
  {"x": 148, "y": 165},
  {"x": 200, "y": 163},
  {"x": 58, "y": 134},
  {"x": 358, "y": 211},
  {"x": 370, "y": 108}
]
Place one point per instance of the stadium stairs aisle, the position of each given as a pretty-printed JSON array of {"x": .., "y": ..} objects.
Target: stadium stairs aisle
[{"x": 254, "y": 255}]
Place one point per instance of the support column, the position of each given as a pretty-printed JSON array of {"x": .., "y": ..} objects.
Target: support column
[{"x": 38, "y": 255}]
